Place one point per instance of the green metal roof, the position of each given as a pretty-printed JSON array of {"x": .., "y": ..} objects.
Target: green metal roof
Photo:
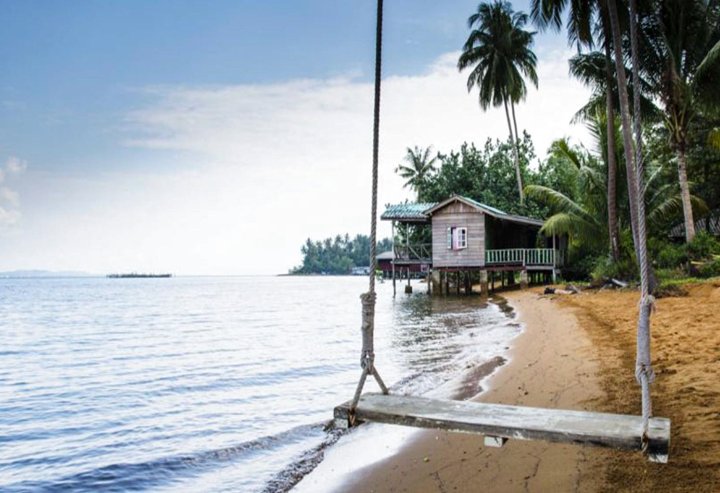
[
  {"x": 418, "y": 212},
  {"x": 408, "y": 211},
  {"x": 485, "y": 206}
]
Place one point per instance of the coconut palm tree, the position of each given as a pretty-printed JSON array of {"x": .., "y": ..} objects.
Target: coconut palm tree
[
  {"x": 609, "y": 10},
  {"x": 579, "y": 214},
  {"x": 418, "y": 169},
  {"x": 499, "y": 53},
  {"x": 580, "y": 26},
  {"x": 682, "y": 58}
]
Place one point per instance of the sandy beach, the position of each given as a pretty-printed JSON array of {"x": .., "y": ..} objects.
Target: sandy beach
[{"x": 577, "y": 352}]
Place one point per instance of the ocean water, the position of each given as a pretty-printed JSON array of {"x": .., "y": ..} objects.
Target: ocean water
[{"x": 207, "y": 383}]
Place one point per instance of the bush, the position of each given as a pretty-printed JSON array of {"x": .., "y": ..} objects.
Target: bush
[
  {"x": 710, "y": 269},
  {"x": 606, "y": 268},
  {"x": 671, "y": 256},
  {"x": 579, "y": 267},
  {"x": 703, "y": 246}
]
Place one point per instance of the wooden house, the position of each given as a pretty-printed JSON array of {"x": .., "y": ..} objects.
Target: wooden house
[{"x": 472, "y": 242}]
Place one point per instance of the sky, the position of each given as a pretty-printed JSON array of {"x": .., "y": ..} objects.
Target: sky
[{"x": 213, "y": 138}]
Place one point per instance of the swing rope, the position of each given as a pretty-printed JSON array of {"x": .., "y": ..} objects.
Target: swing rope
[
  {"x": 644, "y": 373},
  {"x": 367, "y": 356}
]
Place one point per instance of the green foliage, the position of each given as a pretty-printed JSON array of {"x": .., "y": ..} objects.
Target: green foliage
[
  {"x": 703, "y": 247},
  {"x": 418, "y": 168},
  {"x": 671, "y": 256},
  {"x": 579, "y": 266},
  {"x": 673, "y": 282},
  {"x": 499, "y": 53},
  {"x": 414, "y": 234},
  {"x": 710, "y": 269},
  {"x": 337, "y": 255},
  {"x": 486, "y": 175},
  {"x": 606, "y": 268}
]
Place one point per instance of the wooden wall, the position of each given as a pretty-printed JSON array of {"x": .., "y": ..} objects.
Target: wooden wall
[{"x": 458, "y": 215}]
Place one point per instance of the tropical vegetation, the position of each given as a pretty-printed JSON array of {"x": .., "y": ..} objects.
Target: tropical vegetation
[
  {"x": 654, "y": 114},
  {"x": 499, "y": 53}
]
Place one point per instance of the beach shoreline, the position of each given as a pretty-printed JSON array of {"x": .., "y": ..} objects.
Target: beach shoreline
[
  {"x": 577, "y": 352},
  {"x": 551, "y": 364},
  {"x": 535, "y": 371}
]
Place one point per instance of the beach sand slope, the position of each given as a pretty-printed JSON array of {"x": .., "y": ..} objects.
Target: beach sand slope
[{"x": 686, "y": 359}]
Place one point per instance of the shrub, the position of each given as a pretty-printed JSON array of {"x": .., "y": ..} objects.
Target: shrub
[
  {"x": 703, "y": 246},
  {"x": 579, "y": 267},
  {"x": 710, "y": 269},
  {"x": 606, "y": 268},
  {"x": 671, "y": 256}
]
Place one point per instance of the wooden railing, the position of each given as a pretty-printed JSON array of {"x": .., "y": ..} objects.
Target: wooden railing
[
  {"x": 523, "y": 256},
  {"x": 418, "y": 251}
]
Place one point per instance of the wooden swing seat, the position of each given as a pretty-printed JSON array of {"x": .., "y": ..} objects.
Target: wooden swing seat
[{"x": 500, "y": 422}]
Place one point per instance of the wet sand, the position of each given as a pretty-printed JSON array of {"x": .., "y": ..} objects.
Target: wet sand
[
  {"x": 552, "y": 364},
  {"x": 577, "y": 352}
]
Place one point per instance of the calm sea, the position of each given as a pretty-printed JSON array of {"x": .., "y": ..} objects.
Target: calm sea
[{"x": 198, "y": 384}]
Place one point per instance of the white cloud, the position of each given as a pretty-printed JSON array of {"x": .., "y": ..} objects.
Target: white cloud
[
  {"x": 274, "y": 164},
  {"x": 8, "y": 217},
  {"x": 10, "y": 199},
  {"x": 15, "y": 166}
]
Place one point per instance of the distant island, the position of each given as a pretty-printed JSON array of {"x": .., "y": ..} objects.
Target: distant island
[
  {"x": 135, "y": 275},
  {"x": 340, "y": 255}
]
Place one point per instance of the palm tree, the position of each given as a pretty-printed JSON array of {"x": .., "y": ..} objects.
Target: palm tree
[
  {"x": 580, "y": 213},
  {"x": 609, "y": 9},
  {"x": 581, "y": 15},
  {"x": 548, "y": 13},
  {"x": 499, "y": 52},
  {"x": 683, "y": 61},
  {"x": 417, "y": 170},
  {"x": 592, "y": 70}
]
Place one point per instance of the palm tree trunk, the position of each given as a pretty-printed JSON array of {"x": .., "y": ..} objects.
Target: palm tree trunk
[
  {"x": 613, "y": 231},
  {"x": 637, "y": 116},
  {"x": 515, "y": 154},
  {"x": 685, "y": 195},
  {"x": 643, "y": 364},
  {"x": 512, "y": 110},
  {"x": 625, "y": 117}
]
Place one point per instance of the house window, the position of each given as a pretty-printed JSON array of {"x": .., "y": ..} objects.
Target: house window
[{"x": 456, "y": 238}]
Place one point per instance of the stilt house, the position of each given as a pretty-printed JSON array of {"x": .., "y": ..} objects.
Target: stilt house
[{"x": 471, "y": 240}]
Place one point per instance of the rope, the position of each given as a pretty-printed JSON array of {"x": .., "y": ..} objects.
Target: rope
[
  {"x": 376, "y": 146},
  {"x": 644, "y": 373},
  {"x": 367, "y": 356}
]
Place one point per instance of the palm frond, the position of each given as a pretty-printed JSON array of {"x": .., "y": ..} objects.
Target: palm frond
[{"x": 558, "y": 201}]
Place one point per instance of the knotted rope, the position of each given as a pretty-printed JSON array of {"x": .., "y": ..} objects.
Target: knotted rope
[{"x": 367, "y": 356}]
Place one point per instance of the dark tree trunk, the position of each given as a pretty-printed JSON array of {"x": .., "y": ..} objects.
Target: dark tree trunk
[
  {"x": 613, "y": 230},
  {"x": 515, "y": 154},
  {"x": 685, "y": 195},
  {"x": 628, "y": 143}
]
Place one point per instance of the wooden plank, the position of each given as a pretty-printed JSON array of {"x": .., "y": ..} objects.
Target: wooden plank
[{"x": 514, "y": 422}]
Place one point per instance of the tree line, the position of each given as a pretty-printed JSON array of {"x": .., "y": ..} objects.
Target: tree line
[{"x": 338, "y": 255}]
